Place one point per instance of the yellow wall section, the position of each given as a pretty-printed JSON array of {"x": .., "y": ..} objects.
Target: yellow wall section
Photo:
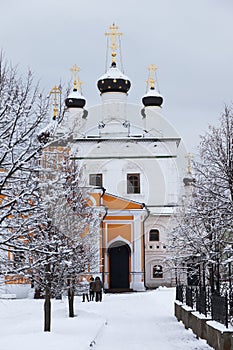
[
  {"x": 17, "y": 280},
  {"x": 111, "y": 217},
  {"x": 115, "y": 230},
  {"x": 113, "y": 202}
]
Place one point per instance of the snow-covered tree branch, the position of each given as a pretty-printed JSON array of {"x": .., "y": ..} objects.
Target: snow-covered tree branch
[
  {"x": 23, "y": 111},
  {"x": 204, "y": 226}
]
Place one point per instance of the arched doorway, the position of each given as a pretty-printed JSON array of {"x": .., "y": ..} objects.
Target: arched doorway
[{"x": 119, "y": 266}]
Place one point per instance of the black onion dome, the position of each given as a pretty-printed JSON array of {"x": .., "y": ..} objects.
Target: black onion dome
[
  {"x": 152, "y": 98},
  {"x": 75, "y": 100},
  {"x": 113, "y": 81}
]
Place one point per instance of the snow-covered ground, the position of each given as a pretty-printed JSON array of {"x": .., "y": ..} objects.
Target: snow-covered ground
[{"x": 134, "y": 321}]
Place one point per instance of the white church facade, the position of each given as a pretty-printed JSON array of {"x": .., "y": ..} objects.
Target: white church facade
[{"x": 137, "y": 159}]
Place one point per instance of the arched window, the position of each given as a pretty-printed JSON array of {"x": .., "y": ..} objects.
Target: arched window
[
  {"x": 157, "y": 271},
  {"x": 154, "y": 235}
]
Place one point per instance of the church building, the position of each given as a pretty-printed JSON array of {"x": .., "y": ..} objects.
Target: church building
[{"x": 134, "y": 157}]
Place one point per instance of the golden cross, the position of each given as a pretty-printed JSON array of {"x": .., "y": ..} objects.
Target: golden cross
[
  {"x": 151, "y": 80},
  {"x": 78, "y": 84},
  {"x": 55, "y": 90},
  {"x": 188, "y": 156},
  {"x": 75, "y": 69},
  {"x": 114, "y": 34}
]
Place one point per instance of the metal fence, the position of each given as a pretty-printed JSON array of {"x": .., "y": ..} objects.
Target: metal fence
[
  {"x": 180, "y": 293},
  {"x": 219, "y": 308},
  {"x": 201, "y": 300},
  {"x": 207, "y": 302},
  {"x": 189, "y": 296}
]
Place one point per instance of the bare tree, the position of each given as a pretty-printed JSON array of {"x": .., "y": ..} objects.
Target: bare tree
[
  {"x": 66, "y": 243},
  {"x": 23, "y": 112},
  {"x": 205, "y": 225},
  {"x": 81, "y": 231}
]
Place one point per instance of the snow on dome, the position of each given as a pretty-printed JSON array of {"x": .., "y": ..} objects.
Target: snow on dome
[
  {"x": 152, "y": 98},
  {"x": 75, "y": 94},
  {"x": 152, "y": 92},
  {"x": 113, "y": 81},
  {"x": 75, "y": 100},
  {"x": 113, "y": 72}
]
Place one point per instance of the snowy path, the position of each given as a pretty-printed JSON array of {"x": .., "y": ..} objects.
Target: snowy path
[
  {"x": 135, "y": 321},
  {"x": 142, "y": 321}
]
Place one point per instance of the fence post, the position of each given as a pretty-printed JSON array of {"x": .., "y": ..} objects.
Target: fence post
[{"x": 179, "y": 293}]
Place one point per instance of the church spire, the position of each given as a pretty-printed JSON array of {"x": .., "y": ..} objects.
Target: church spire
[
  {"x": 55, "y": 92},
  {"x": 151, "y": 79},
  {"x": 114, "y": 80},
  {"x": 188, "y": 180},
  {"x": 77, "y": 82},
  {"x": 188, "y": 157},
  {"x": 114, "y": 36}
]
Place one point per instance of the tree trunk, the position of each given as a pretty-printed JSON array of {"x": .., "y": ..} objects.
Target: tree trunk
[
  {"x": 47, "y": 303},
  {"x": 71, "y": 301},
  {"x": 47, "y": 310}
]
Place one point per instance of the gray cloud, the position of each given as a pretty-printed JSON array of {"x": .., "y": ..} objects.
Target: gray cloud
[{"x": 189, "y": 41}]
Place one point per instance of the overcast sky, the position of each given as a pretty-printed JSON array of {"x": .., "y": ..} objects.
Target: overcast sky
[{"x": 190, "y": 41}]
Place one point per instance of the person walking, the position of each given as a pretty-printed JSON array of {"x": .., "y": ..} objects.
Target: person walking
[
  {"x": 98, "y": 286},
  {"x": 91, "y": 288},
  {"x": 85, "y": 289}
]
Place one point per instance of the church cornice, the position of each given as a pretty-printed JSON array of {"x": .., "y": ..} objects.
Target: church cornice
[
  {"x": 122, "y": 157},
  {"x": 128, "y": 139}
]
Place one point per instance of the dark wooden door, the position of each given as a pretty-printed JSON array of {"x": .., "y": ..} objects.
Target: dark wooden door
[{"x": 119, "y": 267}]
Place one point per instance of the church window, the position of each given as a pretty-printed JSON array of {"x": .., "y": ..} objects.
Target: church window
[
  {"x": 133, "y": 183},
  {"x": 18, "y": 258},
  {"x": 157, "y": 271},
  {"x": 96, "y": 180},
  {"x": 154, "y": 235}
]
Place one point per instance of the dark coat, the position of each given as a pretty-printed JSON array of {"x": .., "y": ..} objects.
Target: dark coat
[
  {"x": 98, "y": 285},
  {"x": 92, "y": 286}
]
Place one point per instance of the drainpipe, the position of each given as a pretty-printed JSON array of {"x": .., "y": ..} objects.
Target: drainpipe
[
  {"x": 144, "y": 246},
  {"x": 102, "y": 232}
]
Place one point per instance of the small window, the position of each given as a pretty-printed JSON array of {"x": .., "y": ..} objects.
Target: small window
[
  {"x": 157, "y": 271},
  {"x": 154, "y": 235},
  {"x": 19, "y": 258},
  {"x": 133, "y": 183},
  {"x": 96, "y": 180}
]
